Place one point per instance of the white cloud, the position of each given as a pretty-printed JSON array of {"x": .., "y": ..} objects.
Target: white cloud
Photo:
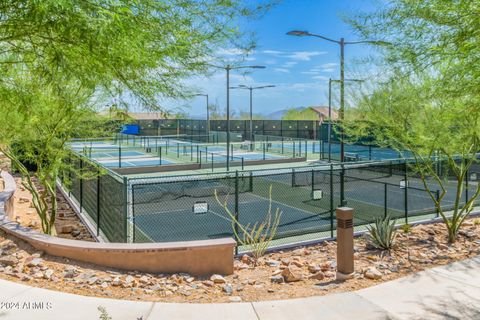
[
  {"x": 311, "y": 72},
  {"x": 283, "y": 70},
  {"x": 273, "y": 52},
  {"x": 320, "y": 78},
  {"x": 232, "y": 52},
  {"x": 329, "y": 65},
  {"x": 295, "y": 55},
  {"x": 289, "y": 64},
  {"x": 328, "y": 70},
  {"x": 304, "y": 55},
  {"x": 270, "y": 61}
]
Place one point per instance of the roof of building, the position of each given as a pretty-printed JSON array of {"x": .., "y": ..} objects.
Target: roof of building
[
  {"x": 147, "y": 115},
  {"x": 323, "y": 111}
]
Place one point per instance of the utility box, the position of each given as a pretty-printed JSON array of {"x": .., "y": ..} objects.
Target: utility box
[{"x": 345, "y": 266}]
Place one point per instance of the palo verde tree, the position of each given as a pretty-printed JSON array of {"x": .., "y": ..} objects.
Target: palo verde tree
[
  {"x": 431, "y": 105},
  {"x": 62, "y": 59},
  {"x": 410, "y": 115}
]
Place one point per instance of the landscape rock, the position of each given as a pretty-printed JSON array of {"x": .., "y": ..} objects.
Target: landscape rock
[
  {"x": 228, "y": 289},
  {"x": 34, "y": 262},
  {"x": 235, "y": 299},
  {"x": 277, "y": 279},
  {"x": 216, "y": 278},
  {"x": 208, "y": 283},
  {"x": 292, "y": 274},
  {"x": 317, "y": 276},
  {"x": 272, "y": 263},
  {"x": 372, "y": 273},
  {"x": 8, "y": 260}
]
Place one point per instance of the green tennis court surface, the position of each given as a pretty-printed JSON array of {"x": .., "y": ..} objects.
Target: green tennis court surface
[{"x": 164, "y": 212}]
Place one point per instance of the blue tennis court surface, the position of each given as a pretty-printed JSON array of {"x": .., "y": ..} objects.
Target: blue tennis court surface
[{"x": 142, "y": 162}]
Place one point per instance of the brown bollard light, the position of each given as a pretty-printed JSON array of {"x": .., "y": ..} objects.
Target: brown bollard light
[{"x": 345, "y": 267}]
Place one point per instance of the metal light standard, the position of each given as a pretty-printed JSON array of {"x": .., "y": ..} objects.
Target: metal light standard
[
  {"x": 208, "y": 112},
  {"x": 330, "y": 81},
  {"x": 342, "y": 44},
  {"x": 228, "y": 68},
  {"x": 341, "y": 111},
  {"x": 251, "y": 105}
]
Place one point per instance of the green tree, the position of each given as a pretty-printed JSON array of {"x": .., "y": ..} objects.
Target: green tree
[
  {"x": 411, "y": 115},
  {"x": 61, "y": 59},
  {"x": 300, "y": 114},
  {"x": 431, "y": 105}
]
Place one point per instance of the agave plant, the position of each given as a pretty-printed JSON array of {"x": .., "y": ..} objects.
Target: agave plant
[{"x": 382, "y": 235}]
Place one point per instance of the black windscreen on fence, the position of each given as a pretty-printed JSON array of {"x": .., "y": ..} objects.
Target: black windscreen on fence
[
  {"x": 304, "y": 129},
  {"x": 203, "y": 206},
  {"x": 102, "y": 196}
]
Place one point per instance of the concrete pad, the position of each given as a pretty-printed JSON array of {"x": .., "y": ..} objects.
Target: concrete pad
[
  {"x": 42, "y": 304},
  {"x": 464, "y": 271},
  {"x": 9, "y": 290},
  {"x": 207, "y": 311},
  {"x": 336, "y": 306},
  {"x": 426, "y": 295}
]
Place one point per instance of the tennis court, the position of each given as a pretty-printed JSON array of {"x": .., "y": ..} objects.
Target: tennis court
[
  {"x": 166, "y": 211},
  {"x": 128, "y": 151},
  {"x": 183, "y": 224}
]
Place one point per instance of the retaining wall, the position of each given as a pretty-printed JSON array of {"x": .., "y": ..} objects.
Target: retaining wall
[{"x": 202, "y": 257}]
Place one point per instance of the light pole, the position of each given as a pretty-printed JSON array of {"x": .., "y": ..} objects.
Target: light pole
[
  {"x": 341, "y": 111},
  {"x": 208, "y": 112},
  {"x": 242, "y": 86},
  {"x": 330, "y": 81},
  {"x": 342, "y": 44},
  {"x": 228, "y": 68}
]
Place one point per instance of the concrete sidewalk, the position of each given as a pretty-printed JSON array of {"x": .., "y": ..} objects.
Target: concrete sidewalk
[{"x": 448, "y": 292}]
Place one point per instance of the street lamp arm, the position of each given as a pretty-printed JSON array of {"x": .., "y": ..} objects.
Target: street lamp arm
[
  {"x": 378, "y": 42},
  {"x": 306, "y": 33},
  {"x": 263, "y": 87},
  {"x": 247, "y": 67},
  {"x": 324, "y": 38}
]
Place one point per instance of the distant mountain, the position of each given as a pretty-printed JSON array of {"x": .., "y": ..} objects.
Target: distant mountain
[{"x": 277, "y": 115}]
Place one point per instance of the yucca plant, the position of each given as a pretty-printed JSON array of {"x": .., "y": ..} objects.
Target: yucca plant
[
  {"x": 257, "y": 237},
  {"x": 382, "y": 235}
]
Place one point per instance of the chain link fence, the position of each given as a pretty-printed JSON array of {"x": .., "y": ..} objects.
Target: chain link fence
[{"x": 201, "y": 206}]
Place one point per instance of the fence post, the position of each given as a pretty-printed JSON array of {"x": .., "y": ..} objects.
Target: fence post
[
  {"x": 437, "y": 197},
  {"x": 370, "y": 152},
  {"x": 160, "y": 154},
  {"x": 126, "y": 204},
  {"x": 236, "y": 208},
  {"x": 81, "y": 185},
  {"x": 119, "y": 157},
  {"x": 98, "y": 203},
  {"x": 313, "y": 182},
  {"x": 331, "y": 200},
  {"x": 466, "y": 187},
  {"x": 70, "y": 177},
  {"x": 342, "y": 186},
  {"x": 385, "y": 200},
  {"x": 293, "y": 177},
  {"x": 406, "y": 194}
]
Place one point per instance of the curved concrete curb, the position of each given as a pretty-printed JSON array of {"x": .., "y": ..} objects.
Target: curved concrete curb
[{"x": 195, "y": 257}]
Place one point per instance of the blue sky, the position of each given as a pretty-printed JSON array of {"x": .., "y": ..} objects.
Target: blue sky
[{"x": 298, "y": 66}]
